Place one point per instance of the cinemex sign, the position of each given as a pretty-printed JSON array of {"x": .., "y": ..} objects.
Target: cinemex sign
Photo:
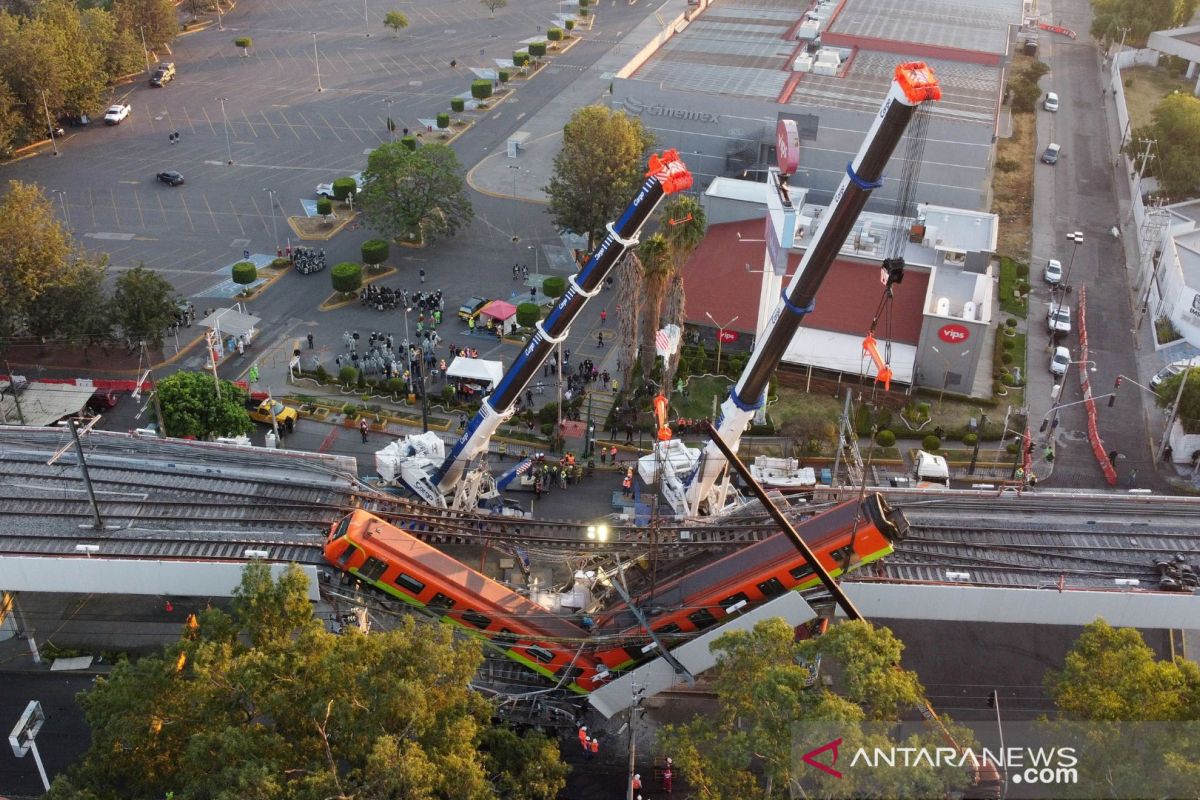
[{"x": 637, "y": 107}]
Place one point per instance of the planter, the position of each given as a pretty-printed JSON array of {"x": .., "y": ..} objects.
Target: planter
[{"x": 321, "y": 413}]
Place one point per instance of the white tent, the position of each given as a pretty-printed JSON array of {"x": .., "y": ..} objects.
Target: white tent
[{"x": 476, "y": 369}]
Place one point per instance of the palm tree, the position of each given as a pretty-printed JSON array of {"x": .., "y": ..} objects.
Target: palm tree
[
  {"x": 657, "y": 268},
  {"x": 628, "y": 312},
  {"x": 684, "y": 226}
]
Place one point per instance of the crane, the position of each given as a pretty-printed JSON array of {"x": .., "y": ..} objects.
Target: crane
[
  {"x": 459, "y": 479},
  {"x": 691, "y": 481}
]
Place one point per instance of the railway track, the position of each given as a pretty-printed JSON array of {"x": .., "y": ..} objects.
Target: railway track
[{"x": 175, "y": 545}]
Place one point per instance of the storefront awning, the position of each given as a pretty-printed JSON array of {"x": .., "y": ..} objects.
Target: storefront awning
[{"x": 841, "y": 352}]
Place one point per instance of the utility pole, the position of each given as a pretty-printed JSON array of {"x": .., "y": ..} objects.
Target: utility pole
[
  {"x": 162, "y": 426},
  {"x": 12, "y": 385},
  {"x": 87, "y": 479},
  {"x": 633, "y": 709},
  {"x": 49, "y": 124},
  {"x": 214, "y": 342},
  {"x": 145, "y": 50},
  {"x": 228, "y": 146},
  {"x": 1162, "y": 446},
  {"x": 271, "y": 406},
  {"x": 842, "y": 425},
  {"x": 978, "y": 439},
  {"x": 1121, "y": 46},
  {"x": 317, "y": 62}
]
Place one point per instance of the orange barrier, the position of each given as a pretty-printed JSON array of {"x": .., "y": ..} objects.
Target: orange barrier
[
  {"x": 1110, "y": 473},
  {"x": 660, "y": 416},
  {"x": 883, "y": 371}
]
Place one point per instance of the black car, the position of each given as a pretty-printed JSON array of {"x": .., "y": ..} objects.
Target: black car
[
  {"x": 171, "y": 178},
  {"x": 56, "y": 132}
]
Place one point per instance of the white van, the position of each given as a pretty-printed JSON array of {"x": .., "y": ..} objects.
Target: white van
[{"x": 1051, "y": 102}]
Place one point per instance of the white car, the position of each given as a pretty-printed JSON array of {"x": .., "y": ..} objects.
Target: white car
[
  {"x": 1174, "y": 368},
  {"x": 1051, "y": 102},
  {"x": 1054, "y": 271},
  {"x": 116, "y": 113},
  {"x": 1058, "y": 318},
  {"x": 326, "y": 189},
  {"x": 1060, "y": 361}
]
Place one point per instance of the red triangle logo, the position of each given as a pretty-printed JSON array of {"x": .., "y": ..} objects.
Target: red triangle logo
[{"x": 810, "y": 757}]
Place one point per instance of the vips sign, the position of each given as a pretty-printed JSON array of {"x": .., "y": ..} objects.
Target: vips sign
[
  {"x": 954, "y": 334},
  {"x": 787, "y": 146},
  {"x": 727, "y": 336}
]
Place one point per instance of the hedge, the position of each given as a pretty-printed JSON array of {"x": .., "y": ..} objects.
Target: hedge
[
  {"x": 528, "y": 314},
  {"x": 458, "y": 104},
  {"x": 481, "y": 89},
  {"x": 244, "y": 272},
  {"x": 520, "y": 58},
  {"x": 504, "y": 76},
  {"x": 374, "y": 251},
  {"x": 324, "y": 206},
  {"x": 344, "y": 187},
  {"x": 885, "y": 438},
  {"x": 346, "y": 276},
  {"x": 410, "y": 142},
  {"x": 583, "y": 12},
  {"x": 931, "y": 443},
  {"x": 554, "y": 286},
  {"x": 443, "y": 119},
  {"x": 570, "y": 24},
  {"x": 537, "y": 49},
  {"x": 970, "y": 439},
  {"x": 554, "y": 34},
  {"x": 243, "y": 42}
]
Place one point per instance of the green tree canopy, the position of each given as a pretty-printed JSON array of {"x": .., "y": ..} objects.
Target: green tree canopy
[
  {"x": 346, "y": 276},
  {"x": 406, "y": 192},
  {"x": 1175, "y": 132},
  {"x": 1188, "y": 412},
  {"x": 159, "y": 18},
  {"x": 597, "y": 171},
  {"x": 33, "y": 249},
  {"x": 190, "y": 406},
  {"x": 764, "y": 685},
  {"x": 143, "y": 305},
  {"x": 1138, "y": 18},
  {"x": 295, "y": 712},
  {"x": 396, "y": 21}
]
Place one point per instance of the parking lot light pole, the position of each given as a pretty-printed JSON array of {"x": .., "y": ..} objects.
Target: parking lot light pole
[
  {"x": 274, "y": 223},
  {"x": 720, "y": 330},
  {"x": 391, "y": 124},
  {"x": 49, "y": 124},
  {"x": 366, "y": 22},
  {"x": 145, "y": 50},
  {"x": 228, "y": 145},
  {"x": 62, "y": 201},
  {"x": 317, "y": 61},
  {"x": 1076, "y": 238},
  {"x": 220, "y": 19}
]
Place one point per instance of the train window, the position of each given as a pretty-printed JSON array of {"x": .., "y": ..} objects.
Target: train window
[
  {"x": 540, "y": 653},
  {"x": 671, "y": 628},
  {"x": 740, "y": 597},
  {"x": 476, "y": 619},
  {"x": 341, "y": 529},
  {"x": 771, "y": 587},
  {"x": 570, "y": 673},
  {"x": 346, "y": 555},
  {"x": 802, "y": 573},
  {"x": 372, "y": 568},
  {"x": 702, "y": 618},
  {"x": 409, "y": 584},
  {"x": 440, "y": 601},
  {"x": 841, "y": 554},
  {"x": 505, "y": 637}
]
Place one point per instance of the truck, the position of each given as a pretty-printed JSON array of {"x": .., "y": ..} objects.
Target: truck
[
  {"x": 163, "y": 74},
  {"x": 261, "y": 411},
  {"x": 931, "y": 471},
  {"x": 700, "y": 486},
  {"x": 460, "y": 479}
]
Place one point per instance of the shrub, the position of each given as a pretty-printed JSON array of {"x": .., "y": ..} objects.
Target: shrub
[
  {"x": 1011, "y": 322},
  {"x": 584, "y": 3},
  {"x": 1022, "y": 269},
  {"x": 554, "y": 34},
  {"x": 374, "y": 251},
  {"x": 397, "y": 386},
  {"x": 537, "y": 49},
  {"x": 280, "y": 263},
  {"x": 570, "y": 24},
  {"x": 931, "y": 443},
  {"x": 1008, "y": 344},
  {"x": 1007, "y": 164},
  {"x": 583, "y": 12},
  {"x": 347, "y": 375},
  {"x": 346, "y": 276},
  {"x": 410, "y": 142},
  {"x": 443, "y": 120},
  {"x": 322, "y": 374},
  {"x": 457, "y": 104},
  {"x": 554, "y": 286},
  {"x": 1129, "y": 83},
  {"x": 1022, "y": 287},
  {"x": 447, "y": 394},
  {"x": 528, "y": 314},
  {"x": 243, "y": 42},
  {"x": 1011, "y": 448},
  {"x": 885, "y": 438},
  {"x": 244, "y": 273},
  {"x": 520, "y": 58},
  {"x": 997, "y": 388},
  {"x": 1006, "y": 358},
  {"x": 481, "y": 89},
  {"x": 324, "y": 206},
  {"x": 344, "y": 187}
]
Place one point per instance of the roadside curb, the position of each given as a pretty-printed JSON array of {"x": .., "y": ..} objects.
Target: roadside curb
[
  {"x": 335, "y": 230},
  {"x": 327, "y": 306}
]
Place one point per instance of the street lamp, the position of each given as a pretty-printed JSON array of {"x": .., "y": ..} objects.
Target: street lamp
[
  {"x": 228, "y": 145},
  {"x": 62, "y": 201},
  {"x": 366, "y": 24},
  {"x": 317, "y": 62},
  {"x": 720, "y": 338},
  {"x": 274, "y": 223},
  {"x": 407, "y": 341},
  {"x": 145, "y": 50},
  {"x": 1076, "y": 238},
  {"x": 391, "y": 124},
  {"x": 515, "y": 174},
  {"x": 49, "y": 124},
  {"x": 220, "y": 19}
]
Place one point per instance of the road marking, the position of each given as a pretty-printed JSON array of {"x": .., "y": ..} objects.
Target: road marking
[
  {"x": 269, "y": 125},
  {"x": 237, "y": 215},
  {"x": 116, "y": 237},
  {"x": 137, "y": 201},
  {"x": 135, "y": 183},
  {"x": 520, "y": 116},
  {"x": 349, "y": 128},
  {"x": 183, "y": 200},
  {"x": 210, "y": 212},
  {"x": 331, "y": 128},
  {"x": 212, "y": 128},
  {"x": 251, "y": 124},
  {"x": 162, "y": 209},
  {"x": 288, "y": 122},
  {"x": 311, "y": 128},
  {"x": 116, "y": 212},
  {"x": 261, "y": 218},
  {"x": 215, "y": 163}
]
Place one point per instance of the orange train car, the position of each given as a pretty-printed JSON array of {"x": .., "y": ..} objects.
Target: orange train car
[
  {"x": 383, "y": 555},
  {"x": 844, "y": 538}
]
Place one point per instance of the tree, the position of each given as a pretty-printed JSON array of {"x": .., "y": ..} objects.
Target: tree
[
  {"x": 159, "y": 19},
  {"x": 554, "y": 286},
  {"x": 597, "y": 171},
  {"x": 324, "y": 206},
  {"x": 528, "y": 314},
  {"x": 654, "y": 255},
  {"x": 443, "y": 120},
  {"x": 143, "y": 305},
  {"x": 291, "y": 711},
  {"x": 344, "y": 187},
  {"x": 374, "y": 251},
  {"x": 191, "y": 408},
  {"x": 1176, "y": 146},
  {"x": 33, "y": 248},
  {"x": 73, "y": 306},
  {"x": 481, "y": 90},
  {"x": 415, "y": 193},
  {"x": 458, "y": 104},
  {"x": 1138, "y": 18},
  {"x": 492, "y": 5},
  {"x": 520, "y": 58},
  {"x": 764, "y": 687},
  {"x": 684, "y": 226},
  {"x": 346, "y": 277},
  {"x": 1188, "y": 412},
  {"x": 554, "y": 34},
  {"x": 244, "y": 273},
  {"x": 396, "y": 21},
  {"x": 537, "y": 49}
]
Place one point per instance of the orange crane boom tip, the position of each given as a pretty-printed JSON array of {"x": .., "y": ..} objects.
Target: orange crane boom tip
[
  {"x": 918, "y": 82},
  {"x": 670, "y": 170}
]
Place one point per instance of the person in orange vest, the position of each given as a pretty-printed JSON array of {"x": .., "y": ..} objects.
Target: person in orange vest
[
  {"x": 668, "y": 776},
  {"x": 612, "y": 455},
  {"x": 627, "y": 484},
  {"x": 583, "y": 737},
  {"x": 637, "y": 783},
  {"x": 595, "y": 747}
]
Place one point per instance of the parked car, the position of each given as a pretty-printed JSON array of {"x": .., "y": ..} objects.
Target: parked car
[
  {"x": 56, "y": 132},
  {"x": 1060, "y": 361},
  {"x": 472, "y": 307},
  {"x": 1051, "y": 102},
  {"x": 1058, "y": 318},
  {"x": 170, "y": 177},
  {"x": 1174, "y": 368},
  {"x": 162, "y": 75},
  {"x": 117, "y": 113},
  {"x": 102, "y": 400},
  {"x": 1054, "y": 271},
  {"x": 1050, "y": 156},
  {"x": 261, "y": 411}
]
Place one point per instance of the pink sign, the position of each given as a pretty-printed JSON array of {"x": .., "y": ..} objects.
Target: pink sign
[
  {"x": 727, "y": 336},
  {"x": 787, "y": 146},
  {"x": 955, "y": 334}
]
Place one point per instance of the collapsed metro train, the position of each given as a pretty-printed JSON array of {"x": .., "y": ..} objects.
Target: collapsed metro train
[{"x": 386, "y": 557}]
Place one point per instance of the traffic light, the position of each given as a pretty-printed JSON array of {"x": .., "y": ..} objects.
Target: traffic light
[{"x": 1112, "y": 398}]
